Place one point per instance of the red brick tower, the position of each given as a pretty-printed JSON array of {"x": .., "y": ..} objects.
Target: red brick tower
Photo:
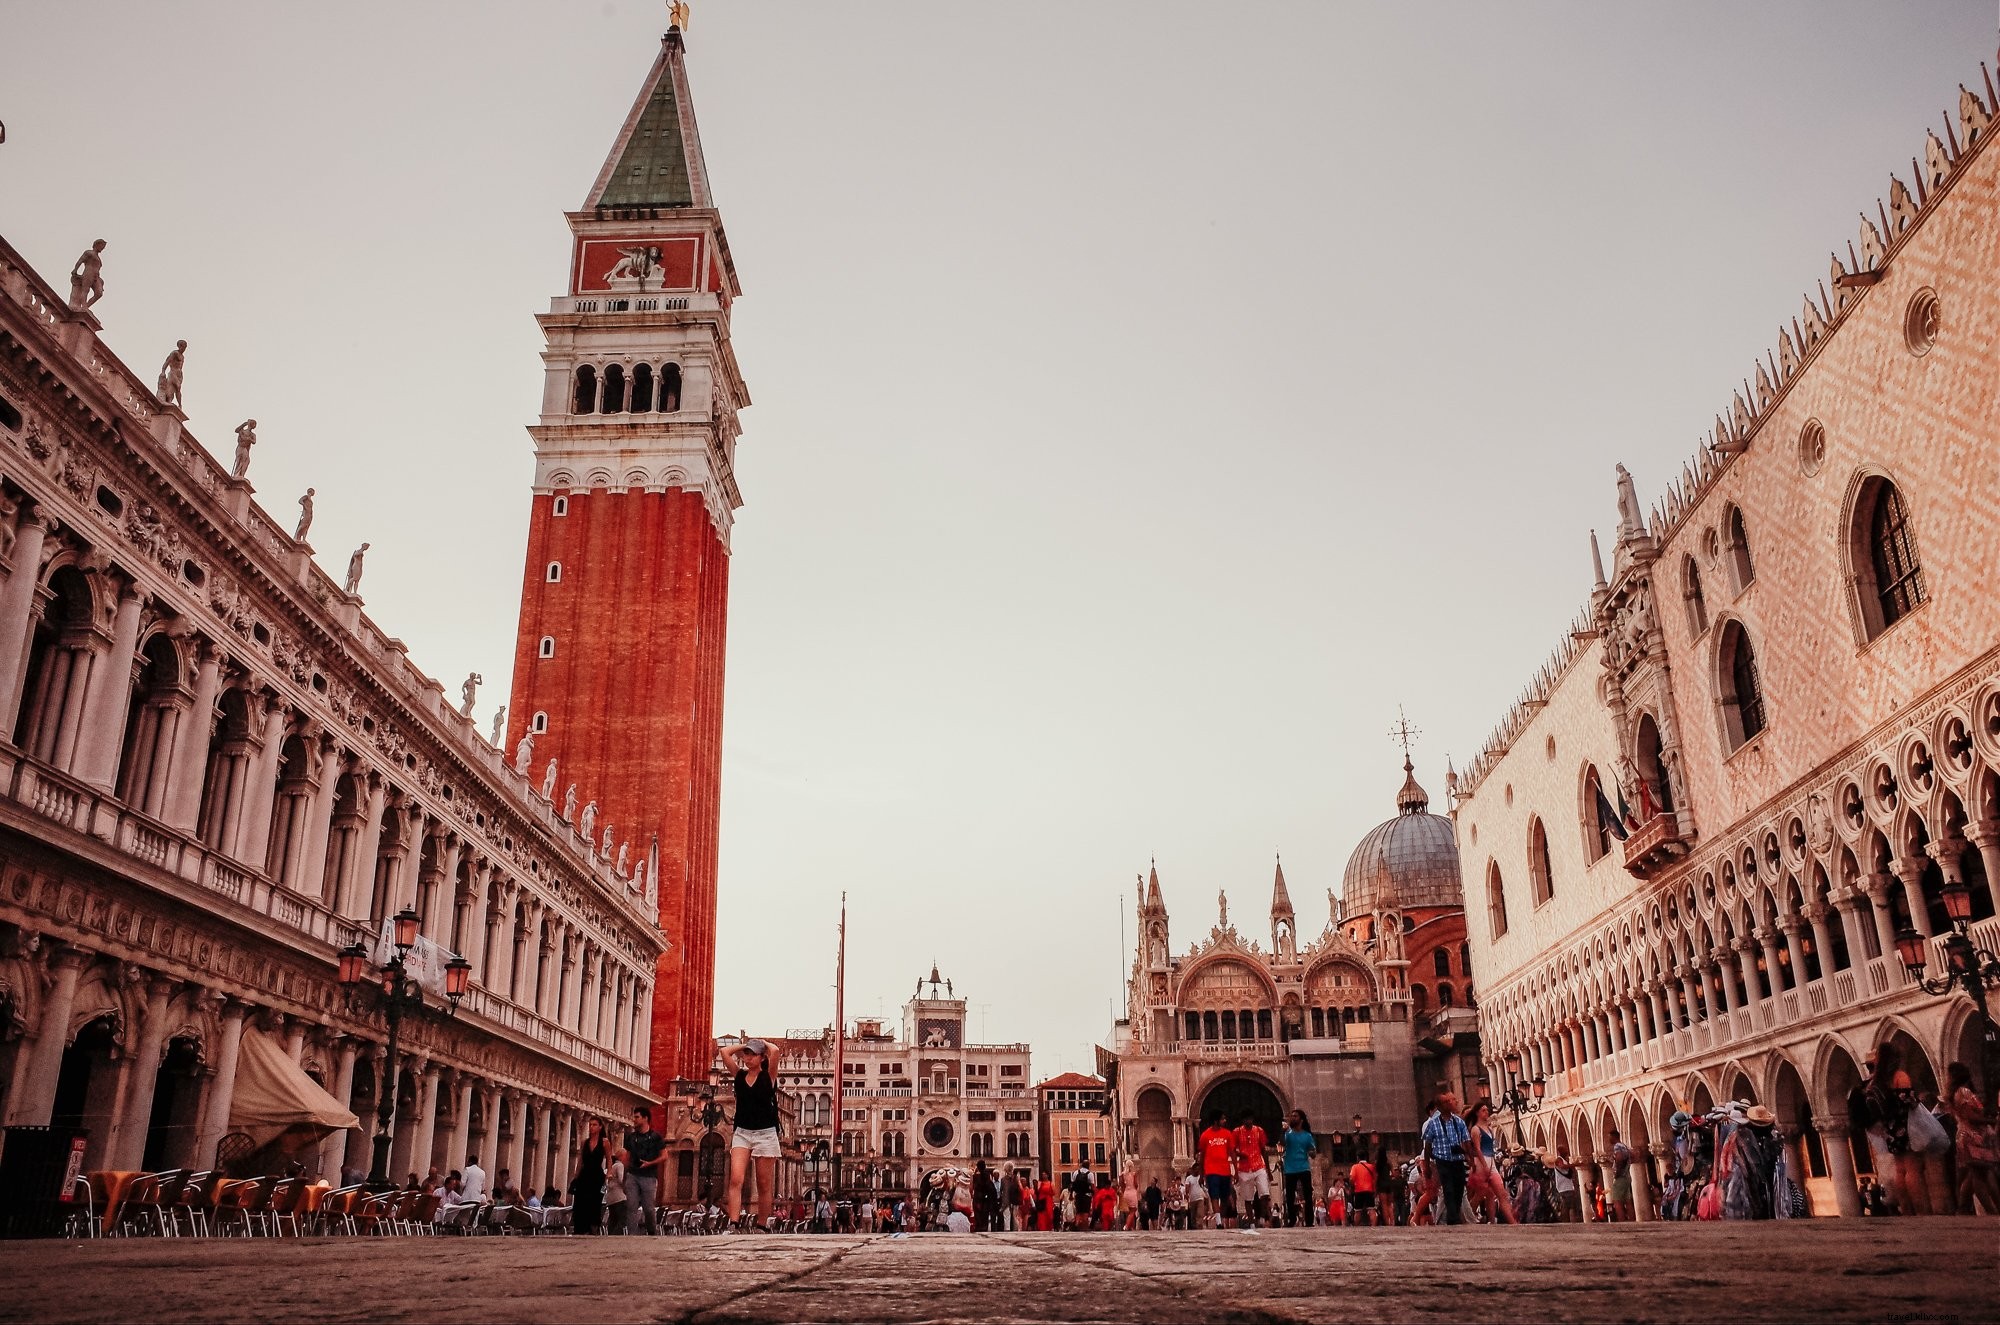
[{"x": 618, "y": 666}]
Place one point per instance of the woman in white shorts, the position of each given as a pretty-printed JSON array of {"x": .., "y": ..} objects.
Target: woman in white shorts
[{"x": 755, "y": 1136}]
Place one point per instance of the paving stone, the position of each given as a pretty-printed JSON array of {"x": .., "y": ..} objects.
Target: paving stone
[{"x": 1822, "y": 1271}]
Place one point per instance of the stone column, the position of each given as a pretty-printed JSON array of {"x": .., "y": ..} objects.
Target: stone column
[
  {"x": 253, "y": 826},
  {"x": 1985, "y": 835},
  {"x": 109, "y": 702},
  {"x": 1772, "y": 970},
  {"x": 1685, "y": 973},
  {"x": 1848, "y": 903},
  {"x": 17, "y": 610},
  {"x": 423, "y": 1134},
  {"x": 458, "y": 1142},
  {"x": 489, "y": 1144},
  {"x": 565, "y": 1132},
  {"x": 1878, "y": 886},
  {"x": 222, "y": 1089},
  {"x": 189, "y": 767},
  {"x": 333, "y": 1151},
  {"x": 1833, "y": 1139},
  {"x": 128, "y": 1142},
  {"x": 357, "y": 888},
  {"x": 508, "y": 1156},
  {"x": 40, "y": 1064},
  {"x": 475, "y": 920},
  {"x": 312, "y": 874},
  {"x": 1822, "y": 940},
  {"x": 500, "y": 975},
  {"x": 402, "y": 1135},
  {"x": 1911, "y": 872},
  {"x": 368, "y": 1119},
  {"x": 1642, "y": 1185},
  {"x": 1726, "y": 963},
  {"x": 1790, "y": 928}
]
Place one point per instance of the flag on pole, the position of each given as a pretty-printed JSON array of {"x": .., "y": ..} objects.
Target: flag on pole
[{"x": 1612, "y": 819}]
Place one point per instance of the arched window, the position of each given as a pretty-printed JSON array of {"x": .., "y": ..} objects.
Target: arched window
[
  {"x": 1742, "y": 693},
  {"x": 670, "y": 388},
  {"x": 1441, "y": 962},
  {"x": 1652, "y": 772},
  {"x": 548, "y": 647},
  {"x": 1193, "y": 1020},
  {"x": 1597, "y": 816},
  {"x": 153, "y": 727},
  {"x": 60, "y": 656},
  {"x": 1444, "y": 995},
  {"x": 1540, "y": 873},
  {"x": 1697, "y": 606},
  {"x": 1496, "y": 901},
  {"x": 586, "y": 391},
  {"x": 1736, "y": 544},
  {"x": 555, "y": 572},
  {"x": 1888, "y": 578},
  {"x": 614, "y": 389},
  {"x": 642, "y": 388},
  {"x": 560, "y": 506},
  {"x": 1420, "y": 997},
  {"x": 539, "y": 723}
]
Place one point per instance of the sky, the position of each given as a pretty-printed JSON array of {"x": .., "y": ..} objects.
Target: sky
[{"x": 1150, "y": 399}]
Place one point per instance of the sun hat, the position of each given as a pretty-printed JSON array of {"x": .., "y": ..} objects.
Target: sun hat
[{"x": 1759, "y": 1114}]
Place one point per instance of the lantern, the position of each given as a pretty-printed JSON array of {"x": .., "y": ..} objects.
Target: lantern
[
  {"x": 353, "y": 964},
  {"x": 1513, "y": 1061},
  {"x": 1539, "y": 1087},
  {"x": 1957, "y": 901},
  {"x": 457, "y": 975},
  {"x": 406, "y": 928},
  {"x": 1910, "y": 947}
]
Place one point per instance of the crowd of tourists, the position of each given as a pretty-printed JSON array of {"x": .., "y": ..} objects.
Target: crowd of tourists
[{"x": 1729, "y": 1163}]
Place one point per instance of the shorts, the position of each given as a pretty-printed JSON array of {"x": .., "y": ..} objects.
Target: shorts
[
  {"x": 1621, "y": 1189},
  {"x": 1251, "y": 1185},
  {"x": 761, "y": 1142},
  {"x": 1361, "y": 1200},
  {"x": 1218, "y": 1186}
]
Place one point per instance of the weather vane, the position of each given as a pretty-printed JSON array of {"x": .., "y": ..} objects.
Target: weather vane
[
  {"x": 677, "y": 14},
  {"x": 1403, "y": 733}
]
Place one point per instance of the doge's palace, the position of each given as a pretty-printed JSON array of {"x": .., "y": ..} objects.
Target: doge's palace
[
  {"x": 1770, "y": 744},
  {"x": 216, "y": 772}
]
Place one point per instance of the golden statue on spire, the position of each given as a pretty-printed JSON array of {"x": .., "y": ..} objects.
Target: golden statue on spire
[{"x": 677, "y": 14}]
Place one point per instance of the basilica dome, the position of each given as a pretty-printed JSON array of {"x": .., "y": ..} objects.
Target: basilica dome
[{"x": 1410, "y": 861}]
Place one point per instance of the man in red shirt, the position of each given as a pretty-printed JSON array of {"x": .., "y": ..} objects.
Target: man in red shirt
[
  {"x": 1253, "y": 1177},
  {"x": 1218, "y": 1166},
  {"x": 1361, "y": 1207}
]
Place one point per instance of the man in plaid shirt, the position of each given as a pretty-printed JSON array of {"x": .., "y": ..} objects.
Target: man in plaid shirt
[{"x": 1447, "y": 1147}]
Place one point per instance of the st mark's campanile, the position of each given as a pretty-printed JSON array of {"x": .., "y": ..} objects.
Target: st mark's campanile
[{"x": 618, "y": 667}]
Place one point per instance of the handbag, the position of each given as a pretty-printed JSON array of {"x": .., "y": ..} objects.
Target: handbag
[{"x": 1927, "y": 1134}]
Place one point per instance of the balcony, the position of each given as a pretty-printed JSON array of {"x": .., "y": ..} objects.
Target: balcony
[{"x": 1654, "y": 845}]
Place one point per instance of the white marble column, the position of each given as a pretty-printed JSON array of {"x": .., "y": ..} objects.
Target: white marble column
[
  {"x": 423, "y": 1140},
  {"x": 333, "y": 1151},
  {"x": 188, "y": 768},
  {"x": 40, "y": 1064},
  {"x": 109, "y": 703},
  {"x": 222, "y": 1089},
  {"x": 128, "y": 1142},
  {"x": 17, "y": 611},
  {"x": 252, "y": 835}
]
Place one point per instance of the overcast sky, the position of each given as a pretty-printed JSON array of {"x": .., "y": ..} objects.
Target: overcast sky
[{"x": 1149, "y": 397}]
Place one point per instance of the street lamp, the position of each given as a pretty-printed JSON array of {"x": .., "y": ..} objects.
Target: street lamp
[
  {"x": 1967, "y": 966},
  {"x": 1520, "y": 1096},
  {"x": 400, "y": 994}
]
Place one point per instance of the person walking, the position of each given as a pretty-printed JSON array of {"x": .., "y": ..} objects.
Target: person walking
[
  {"x": 645, "y": 1162},
  {"x": 586, "y": 1179},
  {"x": 1253, "y": 1175},
  {"x": 1300, "y": 1147},
  {"x": 1218, "y": 1166},
  {"x": 614, "y": 1192},
  {"x": 754, "y": 1137},
  {"x": 1447, "y": 1150},
  {"x": 1621, "y": 1179},
  {"x": 1010, "y": 1200},
  {"x": 1489, "y": 1191},
  {"x": 1978, "y": 1160},
  {"x": 1045, "y": 1204},
  {"x": 1361, "y": 1184},
  {"x": 1563, "y": 1174},
  {"x": 1151, "y": 1202}
]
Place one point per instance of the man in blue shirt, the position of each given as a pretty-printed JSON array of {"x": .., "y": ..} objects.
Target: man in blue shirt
[
  {"x": 1447, "y": 1143},
  {"x": 1300, "y": 1147}
]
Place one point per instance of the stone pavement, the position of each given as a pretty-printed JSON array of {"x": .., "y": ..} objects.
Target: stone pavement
[{"x": 1812, "y": 1270}]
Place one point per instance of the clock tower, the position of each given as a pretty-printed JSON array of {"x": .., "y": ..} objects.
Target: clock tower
[{"x": 618, "y": 665}]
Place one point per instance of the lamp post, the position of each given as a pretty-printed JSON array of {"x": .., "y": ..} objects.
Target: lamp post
[
  {"x": 1521, "y": 1096},
  {"x": 399, "y": 993},
  {"x": 711, "y": 1116},
  {"x": 1967, "y": 966}
]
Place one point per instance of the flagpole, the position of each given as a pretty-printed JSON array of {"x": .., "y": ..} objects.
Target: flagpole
[{"x": 839, "y": 1042}]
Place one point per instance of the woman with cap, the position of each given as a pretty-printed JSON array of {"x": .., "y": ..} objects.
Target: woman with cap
[{"x": 754, "y": 1136}]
